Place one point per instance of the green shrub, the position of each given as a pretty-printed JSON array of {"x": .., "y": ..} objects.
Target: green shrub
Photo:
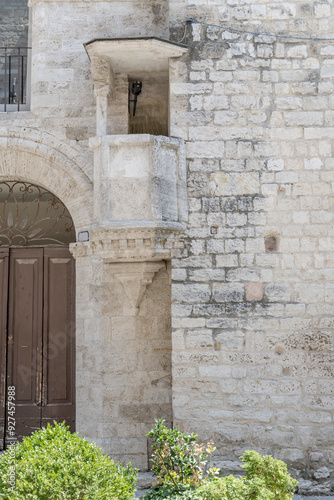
[
  {"x": 53, "y": 464},
  {"x": 177, "y": 457},
  {"x": 234, "y": 488},
  {"x": 273, "y": 472},
  {"x": 179, "y": 462},
  {"x": 266, "y": 479},
  {"x": 226, "y": 488},
  {"x": 176, "y": 492}
]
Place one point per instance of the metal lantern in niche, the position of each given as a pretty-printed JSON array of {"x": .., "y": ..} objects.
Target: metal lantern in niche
[
  {"x": 32, "y": 216},
  {"x": 135, "y": 91}
]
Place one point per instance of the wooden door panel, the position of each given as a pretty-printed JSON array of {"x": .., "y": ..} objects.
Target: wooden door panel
[
  {"x": 25, "y": 320},
  {"x": 26, "y": 423},
  {"x": 4, "y": 254},
  {"x": 38, "y": 298},
  {"x": 58, "y": 337}
]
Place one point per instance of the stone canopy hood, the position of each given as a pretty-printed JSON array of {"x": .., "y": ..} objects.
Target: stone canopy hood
[{"x": 128, "y": 55}]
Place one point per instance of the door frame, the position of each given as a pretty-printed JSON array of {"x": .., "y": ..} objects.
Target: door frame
[{"x": 5, "y": 362}]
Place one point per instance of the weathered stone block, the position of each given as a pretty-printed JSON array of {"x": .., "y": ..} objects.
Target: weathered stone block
[
  {"x": 234, "y": 184},
  {"x": 254, "y": 291},
  {"x": 228, "y": 292},
  {"x": 191, "y": 293}
]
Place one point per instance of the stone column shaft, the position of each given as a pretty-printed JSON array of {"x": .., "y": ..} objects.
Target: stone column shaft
[{"x": 102, "y": 111}]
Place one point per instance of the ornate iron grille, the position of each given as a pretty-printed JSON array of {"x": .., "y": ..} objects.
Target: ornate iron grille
[{"x": 32, "y": 216}]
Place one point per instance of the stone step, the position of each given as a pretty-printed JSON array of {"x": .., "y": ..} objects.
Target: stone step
[
  {"x": 140, "y": 493},
  {"x": 144, "y": 480},
  {"x": 302, "y": 497}
]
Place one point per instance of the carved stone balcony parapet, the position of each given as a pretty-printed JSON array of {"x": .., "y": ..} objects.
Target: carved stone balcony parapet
[{"x": 140, "y": 198}]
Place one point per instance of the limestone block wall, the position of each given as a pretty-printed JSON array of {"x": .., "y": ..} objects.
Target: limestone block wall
[
  {"x": 253, "y": 289},
  {"x": 59, "y": 30},
  {"x": 14, "y": 23},
  {"x": 123, "y": 357}
]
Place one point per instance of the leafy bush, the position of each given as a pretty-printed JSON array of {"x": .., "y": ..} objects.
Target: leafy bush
[
  {"x": 266, "y": 479},
  {"x": 273, "y": 472},
  {"x": 234, "y": 488},
  {"x": 176, "y": 492},
  {"x": 179, "y": 462},
  {"x": 177, "y": 457},
  {"x": 54, "y": 464}
]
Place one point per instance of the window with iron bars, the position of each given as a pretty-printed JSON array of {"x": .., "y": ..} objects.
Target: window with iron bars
[{"x": 14, "y": 81}]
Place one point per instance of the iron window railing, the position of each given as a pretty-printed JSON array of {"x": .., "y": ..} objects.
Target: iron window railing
[{"x": 14, "y": 78}]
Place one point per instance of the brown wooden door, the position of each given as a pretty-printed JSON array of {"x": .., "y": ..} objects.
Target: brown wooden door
[
  {"x": 4, "y": 254},
  {"x": 58, "y": 337},
  {"x": 25, "y": 321},
  {"x": 40, "y": 335}
]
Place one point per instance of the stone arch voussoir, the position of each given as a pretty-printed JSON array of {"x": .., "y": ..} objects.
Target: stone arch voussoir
[{"x": 27, "y": 160}]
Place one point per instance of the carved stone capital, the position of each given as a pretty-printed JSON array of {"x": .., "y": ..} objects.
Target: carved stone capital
[{"x": 103, "y": 76}]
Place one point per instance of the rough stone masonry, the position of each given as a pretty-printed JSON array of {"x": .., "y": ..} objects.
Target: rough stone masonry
[{"x": 253, "y": 284}]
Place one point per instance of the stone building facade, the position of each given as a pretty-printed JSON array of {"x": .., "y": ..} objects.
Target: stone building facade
[{"x": 205, "y": 284}]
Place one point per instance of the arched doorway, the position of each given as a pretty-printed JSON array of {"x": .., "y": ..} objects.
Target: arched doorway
[{"x": 37, "y": 316}]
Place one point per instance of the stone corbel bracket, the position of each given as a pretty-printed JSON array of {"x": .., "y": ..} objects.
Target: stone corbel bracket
[
  {"x": 135, "y": 278},
  {"x": 133, "y": 258}
]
